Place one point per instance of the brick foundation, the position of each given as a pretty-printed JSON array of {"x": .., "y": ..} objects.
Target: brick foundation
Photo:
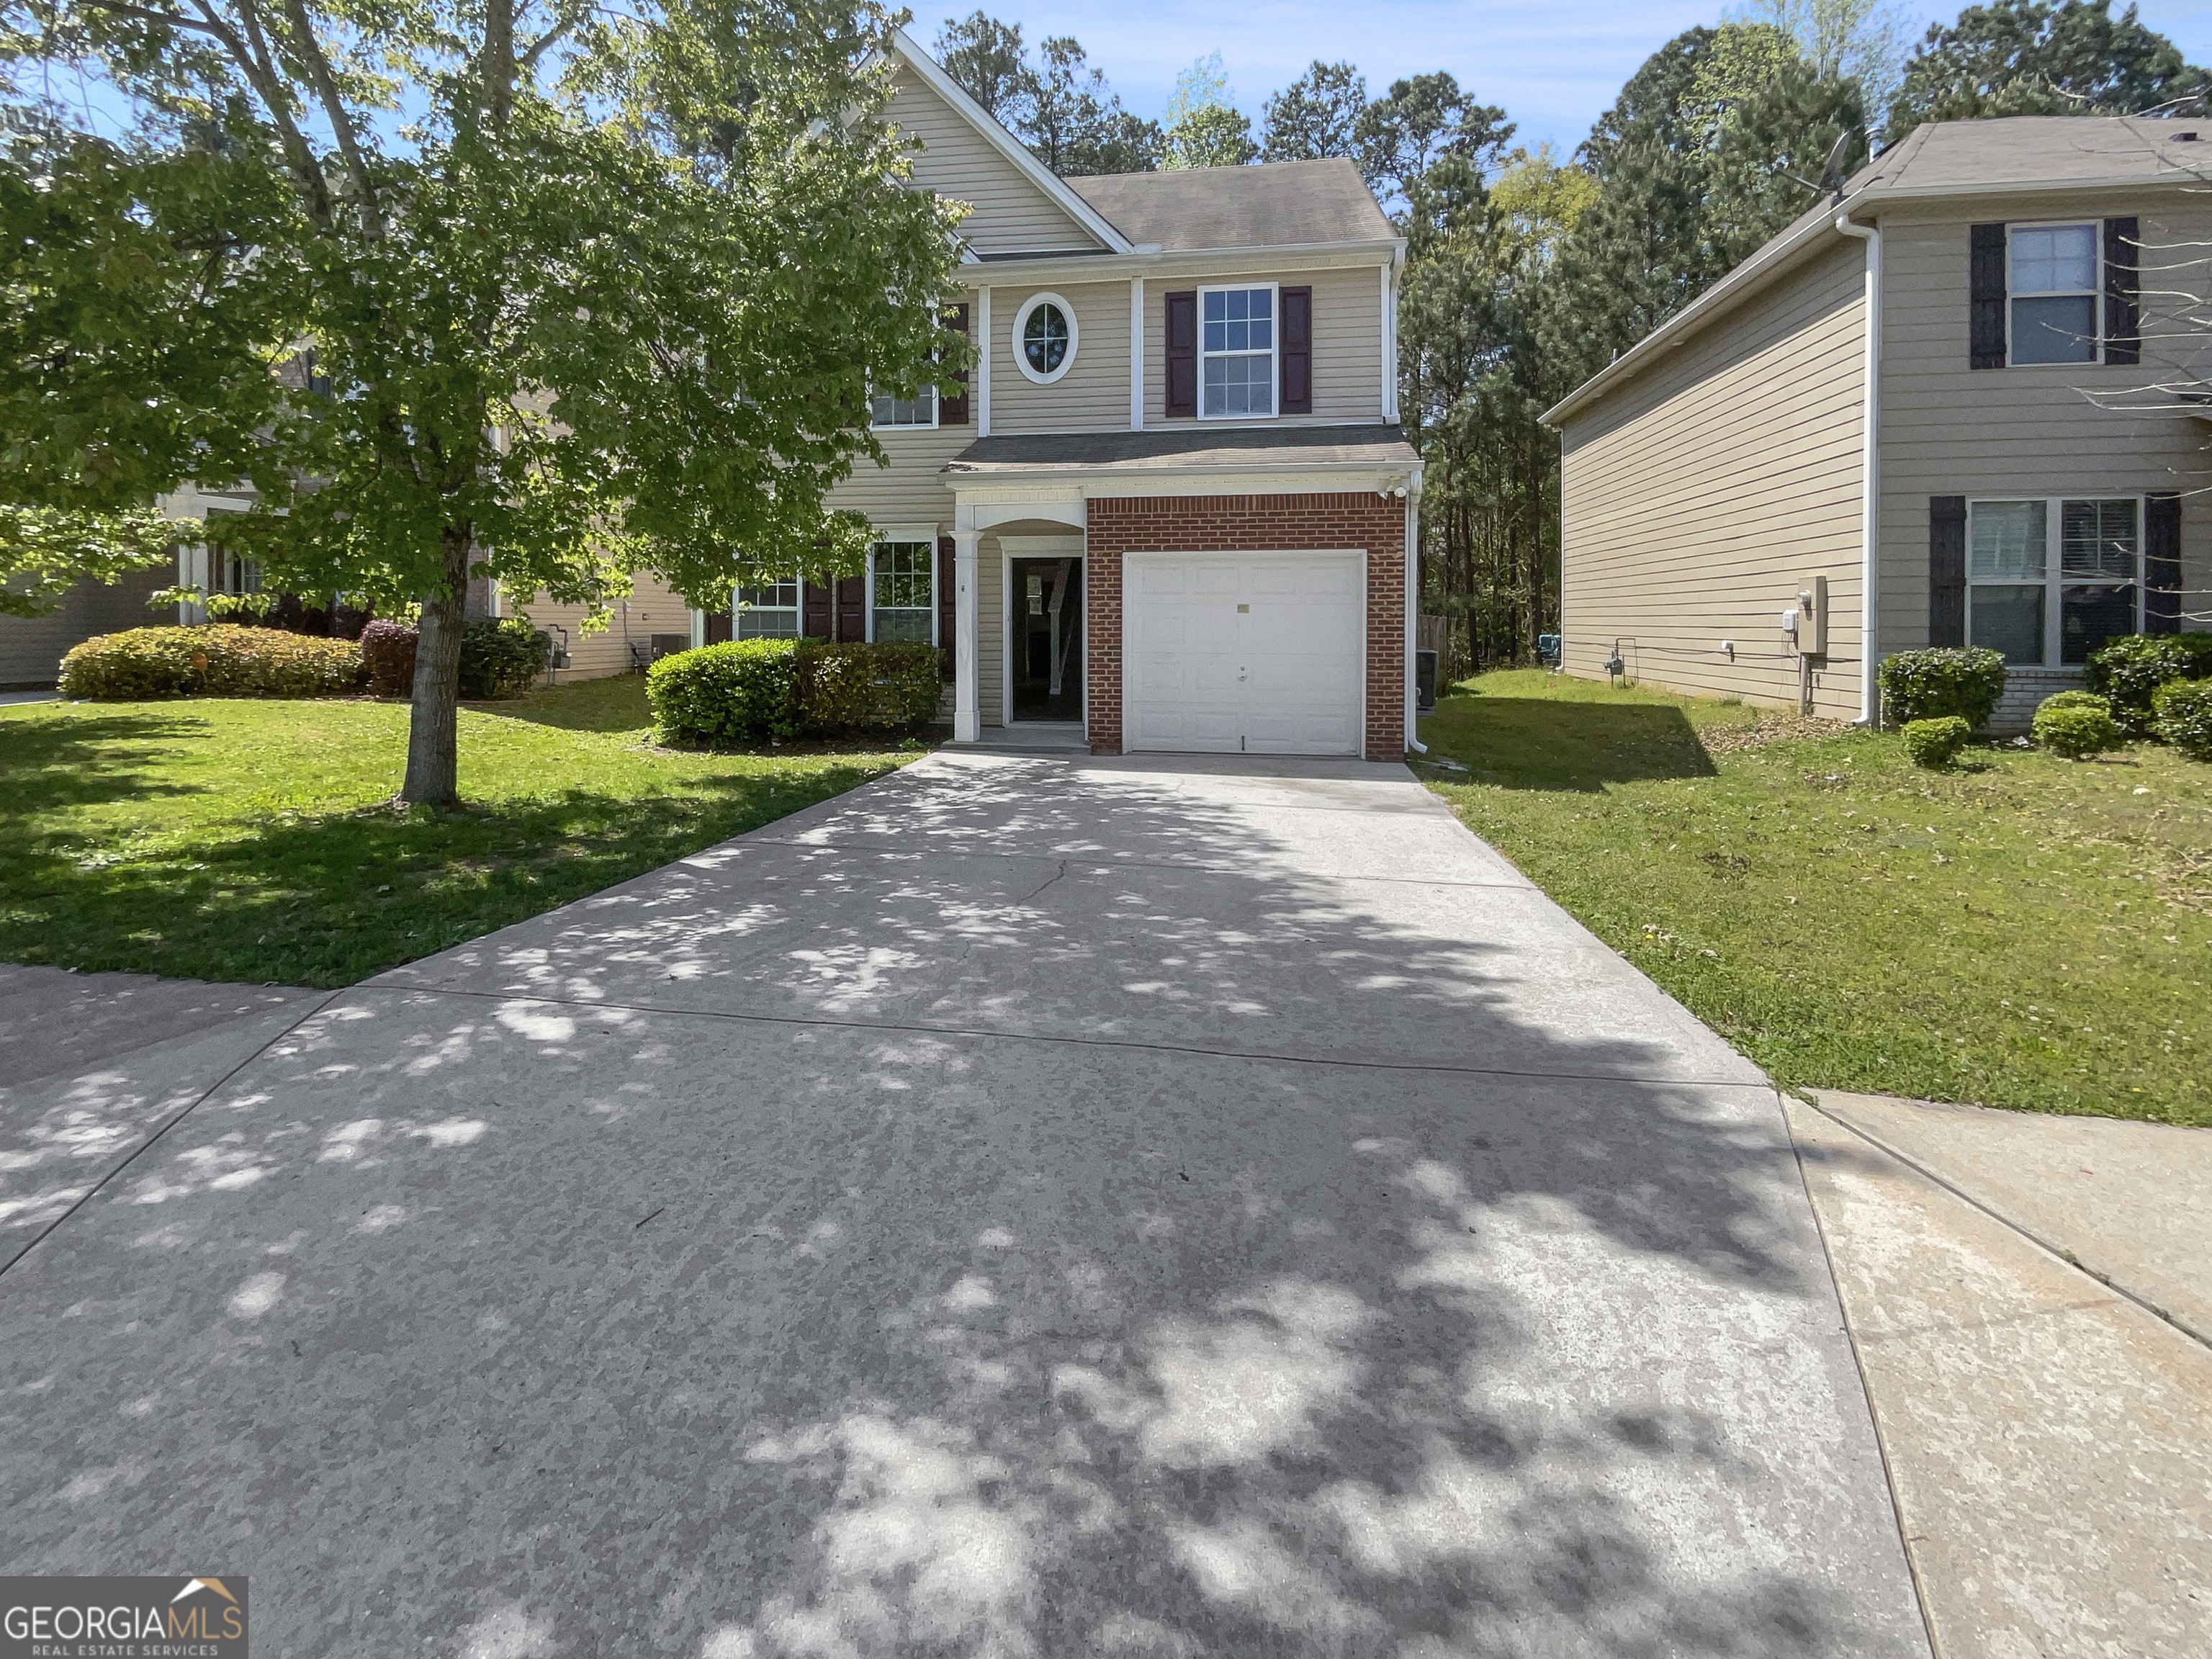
[
  {"x": 2026, "y": 687},
  {"x": 1272, "y": 524}
]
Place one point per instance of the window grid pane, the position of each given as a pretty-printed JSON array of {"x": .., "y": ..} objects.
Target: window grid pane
[
  {"x": 2009, "y": 540},
  {"x": 903, "y": 601},
  {"x": 1237, "y": 344},
  {"x": 2098, "y": 538},
  {"x": 905, "y": 412},
  {"x": 769, "y": 612},
  {"x": 2054, "y": 259},
  {"x": 2007, "y": 620}
]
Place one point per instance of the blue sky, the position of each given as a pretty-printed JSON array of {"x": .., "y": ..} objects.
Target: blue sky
[{"x": 1553, "y": 65}]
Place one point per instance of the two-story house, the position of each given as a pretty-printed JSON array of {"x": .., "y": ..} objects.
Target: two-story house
[
  {"x": 1169, "y": 508},
  {"x": 1963, "y": 403}
]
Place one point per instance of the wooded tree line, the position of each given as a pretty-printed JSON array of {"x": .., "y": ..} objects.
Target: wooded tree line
[{"x": 1528, "y": 272}]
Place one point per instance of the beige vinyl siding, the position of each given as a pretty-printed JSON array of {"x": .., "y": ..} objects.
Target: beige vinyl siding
[
  {"x": 1012, "y": 214},
  {"x": 1348, "y": 351},
  {"x": 1948, "y": 429},
  {"x": 1093, "y": 396},
  {"x": 32, "y": 647},
  {"x": 990, "y": 632},
  {"x": 651, "y": 608},
  {"x": 911, "y": 489},
  {"x": 1698, "y": 497}
]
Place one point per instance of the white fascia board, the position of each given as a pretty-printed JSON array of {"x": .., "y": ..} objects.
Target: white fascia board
[
  {"x": 1039, "y": 269},
  {"x": 934, "y": 77},
  {"x": 1306, "y": 478}
]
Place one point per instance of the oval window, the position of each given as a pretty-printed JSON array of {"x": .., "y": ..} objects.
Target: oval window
[
  {"x": 1044, "y": 339},
  {"x": 1045, "y": 335}
]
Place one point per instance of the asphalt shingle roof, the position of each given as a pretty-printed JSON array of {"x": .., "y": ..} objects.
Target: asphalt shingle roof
[
  {"x": 1271, "y": 205},
  {"x": 1200, "y": 447}
]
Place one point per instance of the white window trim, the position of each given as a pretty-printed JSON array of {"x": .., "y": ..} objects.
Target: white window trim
[
  {"x": 884, "y": 539},
  {"x": 737, "y": 608},
  {"x": 2096, "y": 292},
  {"x": 936, "y": 409},
  {"x": 2054, "y": 579},
  {"x": 1275, "y": 351},
  {"x": 1021, "y": 321}
]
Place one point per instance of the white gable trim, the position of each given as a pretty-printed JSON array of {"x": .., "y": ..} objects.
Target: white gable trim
[{"x": 904, "y": 49}]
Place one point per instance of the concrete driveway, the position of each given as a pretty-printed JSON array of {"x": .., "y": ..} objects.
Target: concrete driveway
[{"x": 1024, "y": 1207}]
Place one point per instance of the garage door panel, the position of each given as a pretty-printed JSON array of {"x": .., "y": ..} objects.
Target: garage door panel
[{"x": 1261, "y": 653}]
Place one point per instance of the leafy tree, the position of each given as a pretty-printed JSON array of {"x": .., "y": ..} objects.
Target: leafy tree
[
  {"x": 2030, "y": 58},
  {"x": 1075, "y": 124},
  {"x": 1420, "y": 119},
  {"x": 1205, "y": 129},
  {"x": 612, "y": 299},
  {"x": 46, "y": 550},
  {"x": 1316, "y": 115},
  {"x": 986, "y": 57},
  {"x": 1861, "y": 40}
]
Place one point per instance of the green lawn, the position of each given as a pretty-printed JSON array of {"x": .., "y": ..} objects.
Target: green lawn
[
  {"x": 2025, "y": 932},
  {"x": 248, "y": 841}
]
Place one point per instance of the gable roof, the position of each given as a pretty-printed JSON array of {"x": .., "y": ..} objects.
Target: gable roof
[
  {"x": 1271, "y": 204},
  {"x": 2009, "y": 155},
  {"x": 988, "y": 128}
]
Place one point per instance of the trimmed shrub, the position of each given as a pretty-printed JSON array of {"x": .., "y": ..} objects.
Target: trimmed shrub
[
  {"x": 741, "y": 692},
  {"x": 387, "y": 656},
  {"x": 500, "y": 657},
  {"x": 2076, "y": 700},
  {"x": 749, "y": 692},
  {"x": 1934, "y": 743},
  {"x": 854, "y": 687},
  {"x": 2129, "y": 673},
  {"x": 219, "y": 660},
  {"x": 2073, "y": 730},
  {"x": 1962, "y": 680},
  {"x": 2183, "y": 714}
]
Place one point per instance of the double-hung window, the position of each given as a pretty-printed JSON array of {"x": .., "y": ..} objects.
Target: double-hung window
[
  {"x": 899, "y": 591},
  {"x": 2050, "y": 581},
  {"x": 1236, "y": 343},
  {"x": 2053, "y": 285},
  {"x": 905, "y": 412},
  {"x": 768, "y": 613}
]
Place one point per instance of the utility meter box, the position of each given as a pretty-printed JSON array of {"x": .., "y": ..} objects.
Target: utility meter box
[{"x": 1812, "y": 612}]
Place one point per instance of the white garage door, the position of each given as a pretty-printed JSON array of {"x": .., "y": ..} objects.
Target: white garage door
[{"x": 1258, "y": 653}]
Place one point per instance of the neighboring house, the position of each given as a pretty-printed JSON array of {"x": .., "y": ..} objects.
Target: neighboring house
[
  {"x": 1171, "y": 507},
  {"x": 1957, "y": 406},
  {"x": 32, "y": 647}
]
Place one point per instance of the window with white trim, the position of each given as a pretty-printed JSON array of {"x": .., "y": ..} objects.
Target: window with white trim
[
  {"x": 2050, "y": 581},
  {"x": 900, "y": 594},
  {"x": 1045, "y": 336},
  {"x": 1236, "y": 341},
  {"x": 886, "y": 410},
  {"x": 769, "y": 612},
  {"x": 2053, "y": 285}
]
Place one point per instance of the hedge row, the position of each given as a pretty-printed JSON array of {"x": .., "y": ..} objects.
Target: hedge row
[
  {"x": 749, "y": 691},
  {"x": 219, "y": 660}
]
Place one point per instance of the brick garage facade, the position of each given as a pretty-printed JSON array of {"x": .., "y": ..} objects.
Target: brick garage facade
[{"x": 1120, "y": 525}]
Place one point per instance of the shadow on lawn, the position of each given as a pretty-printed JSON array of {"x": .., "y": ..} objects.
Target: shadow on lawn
[
  {"x": 326, "y": 901},
  {"x": 1530, "y": 743},
  {"x": 47, "y": 764}
]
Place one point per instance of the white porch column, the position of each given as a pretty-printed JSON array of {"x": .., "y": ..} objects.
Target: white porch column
[{"x": 967, "y": 716}]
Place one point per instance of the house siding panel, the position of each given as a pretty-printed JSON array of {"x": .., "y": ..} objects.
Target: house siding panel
[
  {"x": 1093, "y": 396},
  {"x": 1698, "y": 498},
  {"x": 1208, "y": 524},
  {"x": 1948, "y": 429},
  {"x": 651, "y": 608},
  {"x": 1012, "y": 214},
  {"x": 1347, "y": 343}
]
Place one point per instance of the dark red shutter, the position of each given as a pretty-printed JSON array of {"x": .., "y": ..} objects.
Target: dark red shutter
[
  {"x": 952, "y": 391},
  {"x": 1298, "y": 350},
  {"x": 720, "y": 624},
  {"x": 2123, "y": 316},
  {"x": 1181, "y": 341},
  {"x": 1986, "y": 307},
  {"x": 948, "y": 601},
  {"x": 852, "y": 607},
  {"x": 815, "y": 615},
  {"x": 2162, "y": 562},
  {"x": 1947, "y": 570}
]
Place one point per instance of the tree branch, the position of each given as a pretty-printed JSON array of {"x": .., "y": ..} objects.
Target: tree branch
[
  {"x": 564, "y": 25},
  {"x": 252, "y": 55},
  {"x": 310, "y": 51}
]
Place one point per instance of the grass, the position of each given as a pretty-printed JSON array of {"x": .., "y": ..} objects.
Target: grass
[
  {"x": 2024, "y": 932},
  {"x": 250, "y": 840}
]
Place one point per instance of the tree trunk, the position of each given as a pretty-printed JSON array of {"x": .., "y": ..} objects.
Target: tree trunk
[{"x": 433, "y": 725}]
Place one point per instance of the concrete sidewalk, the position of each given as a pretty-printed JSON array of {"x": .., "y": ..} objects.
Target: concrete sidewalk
[
  {"x": 1024, "y": 1206},
  {"x": 2050, "y": 1435}
]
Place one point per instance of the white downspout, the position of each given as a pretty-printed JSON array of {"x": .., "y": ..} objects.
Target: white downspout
[
  {"x": 1414, "y": 613},
  {"x": 1870, "y": 475}
]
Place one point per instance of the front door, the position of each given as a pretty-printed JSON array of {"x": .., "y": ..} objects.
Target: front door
[{"x": 1046, "y": 633}]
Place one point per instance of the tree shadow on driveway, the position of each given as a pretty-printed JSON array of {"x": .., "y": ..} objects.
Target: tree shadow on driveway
[{"x": 735, "y": 1290}]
